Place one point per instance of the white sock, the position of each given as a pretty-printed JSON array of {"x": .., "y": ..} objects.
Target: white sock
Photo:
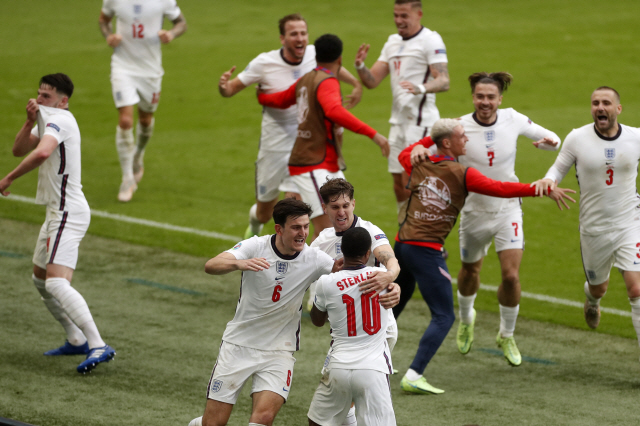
[
  {"x": 465, "y": 307},
  {"x": 76, "y": 308},
  {"x": 635, "y": 315},
  {"x": 74, "y": 334},
  {"x": 256, "y": 424},
  {"x": 350, "y": 420},
  {"x": 412, "y": 375},
  {"x": 196, "y": 422},
  {"x": 508, "y": 317},
  {"x": 256, "y": 226},
  {"x": 126, "y": 147},
  {"x": 143, "y": 134},
  {"x": 592, "y": 300}
]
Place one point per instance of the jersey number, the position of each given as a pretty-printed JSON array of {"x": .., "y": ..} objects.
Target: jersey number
[
  {"x": 610, "y": 180},
  {"x": 515, "y": 228},
  {"x": 138, "y": 30},
  {"x": 491, "y": 155},
  {"x": 276, "y": 293},
  {"x": 289, "y": 378},
  {"x": 396, "y": 66},
  {"x": 370, "y": 314}
]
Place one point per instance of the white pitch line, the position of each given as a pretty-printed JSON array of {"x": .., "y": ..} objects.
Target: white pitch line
[{"x": 231, "y": 238}]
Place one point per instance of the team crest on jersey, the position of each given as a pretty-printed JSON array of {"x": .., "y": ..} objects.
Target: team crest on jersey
[
  {"x": 296, "y": 74},
  {"x": 53, "y": 126},
  {"x": 380, "y": 236},
  {"x": 609, "y": 153},
  {"x": 490, "y": 135},
  {"x": 339, "y": 247},
  {"x": 282, "y": 267},
  {"x": 262, "y": 189},
  {"x": 434, "y": 193},
  {"x": 400, "y": 50},
  {"x": 118, "y": 96},
  {"x": 137, "y": 8},
  {"x": 237, "y": 246},
  {"x": 591, "y": 274},
  {"x": 216, "y": 385},
  {"x": 302, "y": 102}
]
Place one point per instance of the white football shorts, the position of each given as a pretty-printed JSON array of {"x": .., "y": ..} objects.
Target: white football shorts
[
  {"x": 477, "y": 229},
  {"x": 269, "y": 370},
  {"x": 272, "y": 175},
  {"x": 400, "y": 137},
  {"x": 601, "y": 252},
  {"x": 60, "y": 237},
  {"x": 368, "y": 389},
  {"x": 309, "y": 184},
  {"x": 134, "y": 90}
]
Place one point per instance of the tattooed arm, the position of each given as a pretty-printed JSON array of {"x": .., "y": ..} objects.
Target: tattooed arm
[
  {"x": 370, "y": 78},
  {"x": 440, "y": 82}
]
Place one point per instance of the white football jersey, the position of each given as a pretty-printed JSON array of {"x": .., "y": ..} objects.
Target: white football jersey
[
  {"x": 491, "y": 149},
  {"x": 138, "y": 22},
  {"x": 409, "y": 60},
  {"x": 270, "y": 304},
  {"x": 274, "y": 74},
  {"x": 606, "y": 169},
  {"x": 358, "y": 321},
  {"x": 59, "y": 186}
]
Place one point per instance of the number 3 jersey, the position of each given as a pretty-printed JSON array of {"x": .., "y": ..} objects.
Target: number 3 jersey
[
  {"x": 270, "y": 304},
  {"x": 358, "y": 321},
  {"x": 607, "y": 169}
]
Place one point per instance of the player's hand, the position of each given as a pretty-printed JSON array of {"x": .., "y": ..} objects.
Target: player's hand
[
  {"x": 392, "y": 298},
  {"x": 419, "y": 154},
  {"x": 256, "y": 264},
  {"x": 113, "y": 40},
  {"x": 545, "y": 141},
  {"x": 543, "y": 186},
  {"x": 383, "y": 143},
  {"x": 223, "y": 85},
  {"x": 337, "y": 265},
  {"x": 409, "y": 87},
  {"x": 32, "y": 110},
  {"x": 559, "y": 195},
  {"x": 377, "y": 282},
  {"x": 165, "y": 36},
  {"x": 361, "y": 55},
  {"x": 4, "y": 184},
  {"x": 354, "y": 98}
]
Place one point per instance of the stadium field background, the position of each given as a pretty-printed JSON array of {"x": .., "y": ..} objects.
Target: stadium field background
[{"x": 199, "y": 174}]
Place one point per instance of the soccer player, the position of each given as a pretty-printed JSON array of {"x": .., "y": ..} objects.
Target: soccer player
[
  {"x": 136, "y": 75},
  {"x": 316, "y": 155},
  {"x": 606, "y": 156},
  {"x": 416, "y": 60},
  {"x": 260, "y": 340},
  {"x": 275, "y": 71},
  {"x": 359, "y": 362},
  {"x": 53, "y": 145},
  {"x": 491, "y": 149},
  {"x": 439, "y": 186}
]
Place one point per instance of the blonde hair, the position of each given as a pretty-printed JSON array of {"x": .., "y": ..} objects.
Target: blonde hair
[{"x": 442, "y": 129}]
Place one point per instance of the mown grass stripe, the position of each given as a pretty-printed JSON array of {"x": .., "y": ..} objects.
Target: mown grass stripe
[
  {"x": 10, "y": 254},
  {"x": 164, "y": 286},
  {"x": 524, "y": 358}
]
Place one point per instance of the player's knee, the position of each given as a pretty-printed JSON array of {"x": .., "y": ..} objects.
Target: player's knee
[
  {"x": 511, "y": 279},
  {"x": 210, "y": 421},
  {"x": 125, "y": 122},
  {"x": 263, "y": 215},
  {"x": 263, "y": 417},
  {"x": 146, "y": 120}
]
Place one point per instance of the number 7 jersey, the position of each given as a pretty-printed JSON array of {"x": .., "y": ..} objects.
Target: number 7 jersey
[{"x": 270, "y": 305}]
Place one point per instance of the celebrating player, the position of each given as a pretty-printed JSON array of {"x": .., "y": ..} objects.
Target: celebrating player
[
  {"x": 275, "y": 71},
  {"x": 606, "y": 156},
  {"x": 491, "y": 149},
  {"x": 439, "y": 186},
  {"x": 260, "y": 340},
  {"x": 416, "y": 60},
  {"x": 53, "y": 145},
  {"x": 359, "y": 362},
  {"x": 316, "y": 155},
  {"x": 136, "y": 75}
]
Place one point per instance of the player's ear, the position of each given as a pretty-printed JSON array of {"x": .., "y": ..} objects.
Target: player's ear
[
  {"x": 324, "y": 208},
  {"x": 278, "y": 229},
  {"x": 282, "y": 39}
]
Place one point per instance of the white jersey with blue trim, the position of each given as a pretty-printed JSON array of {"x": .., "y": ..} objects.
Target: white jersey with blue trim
[
  {"x": 59, "y": 177},
  {"x": 607, "y": 169},
  {"x": 270, "y": 305},
  {"x": 358, "y": 321}
]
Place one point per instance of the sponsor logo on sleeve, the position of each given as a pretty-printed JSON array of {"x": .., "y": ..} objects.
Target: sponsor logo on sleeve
[
  {"x": 441, "y": 51},
  {"x": 237, "y": 246},
  {"x": 380, "y": 236},
  {"x": 529, "y": 120},
  {"x": 54, "y": 126}
]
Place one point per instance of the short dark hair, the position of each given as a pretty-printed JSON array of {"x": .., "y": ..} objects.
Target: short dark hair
[
  {"x": 328, "y": 48},
  {"x": 414, "y": 3},
  {"x": 59, "y": 81},
  {"x": 334, "y": 188},
  {"x": 609, "y": 88},
  {"x": 501, "y": 80},
  {"x": 355, "y": 242},
  {"x": 290, "y": 208},
  {"x": 292, "y": 17}
]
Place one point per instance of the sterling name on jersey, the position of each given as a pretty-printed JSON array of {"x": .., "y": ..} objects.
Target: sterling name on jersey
[
  {"x": 409, "y": 60},
  {"x": 607, "y": 169},
  {"x": 59, "y": 186},
  {"x": 270, "y": 305},
  {"x": 358, "y": 321},
  {"x": 138, "y": 22},
  {"x": 491, "y": 149},
  {"x": 274, "y": 74},
  {"x": 329, "y": 241}
]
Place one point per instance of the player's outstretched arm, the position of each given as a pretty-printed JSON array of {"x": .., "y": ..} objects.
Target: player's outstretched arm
[
  {"x": 226, "y": 262},
  {"x": 45, "y": 148},
  {"x": 370, "y": 78},
  {"x": 383, "y": 143},
  {"x": 179, "y": 28},
  {"x": 392, "y": 297},
  {"x": 559, "y": 195},
  {"x": 356, "y": 94},
  {"x": 318, "y": 318},
  {"x": 544, "y": 186},
  {"x": 380, "y": 280},
  {"x": 440, "y": 82},
  {"x": 228, "y": 88}
]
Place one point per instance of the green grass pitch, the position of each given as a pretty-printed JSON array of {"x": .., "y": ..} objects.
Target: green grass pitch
[{"x": 199, "y": 174}]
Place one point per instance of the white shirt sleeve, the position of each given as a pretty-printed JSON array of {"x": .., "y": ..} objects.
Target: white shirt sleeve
[
  {"x": 107, "y": 8},
  {"x": 171, "y": 11},
  {"x": 320, "y": 301},
  {"x": 325, "y": 263},
  {"x": 384, "y": 55},
  {"x": 253, "y": 72},
  {"x": 566, "y": 159},
  {"x": 437, "y": 52},
  {"x": 378, "y": 238},
  {"x": 245, "y": 249},
  {"x": 57, "y": 126},
  {"x": 535, "y": 132}
]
